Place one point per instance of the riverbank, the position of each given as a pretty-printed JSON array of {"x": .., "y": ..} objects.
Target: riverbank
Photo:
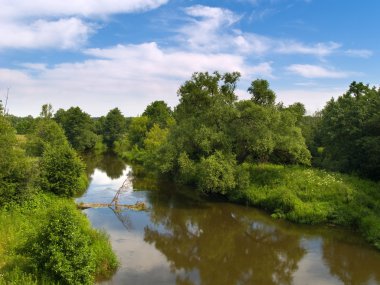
[
  {"x": 23, "y": 225},
  {"x": 312, "y": 196}
]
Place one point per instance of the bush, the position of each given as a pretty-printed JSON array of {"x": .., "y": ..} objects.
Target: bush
[
  {"x": 15, "y": 167},
  {"x": 217, "y": 173},
  {"x": 62, "y": 249},
  {"x": 62, "y": 171}
]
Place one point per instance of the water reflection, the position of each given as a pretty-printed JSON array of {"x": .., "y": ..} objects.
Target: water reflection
[
  {"x": 351, "y": 266},
  {"x": 108, "y": 163},
  {"x": 218, "y": 244},
  {"x": 184, "y": 239}
]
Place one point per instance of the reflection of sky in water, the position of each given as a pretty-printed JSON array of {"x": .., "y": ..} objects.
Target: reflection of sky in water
[
  {"x": 144, "y": 262},
  {"x": 138, "y": 258},
  {"x": 102, "y": 188},
  {"x": 311, "y": 269}
]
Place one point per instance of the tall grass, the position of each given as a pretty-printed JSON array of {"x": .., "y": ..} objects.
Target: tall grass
[{"x": 312, "y": 196}]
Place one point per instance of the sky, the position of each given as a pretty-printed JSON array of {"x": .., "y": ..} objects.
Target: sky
[{"x": 102, "y": 54}]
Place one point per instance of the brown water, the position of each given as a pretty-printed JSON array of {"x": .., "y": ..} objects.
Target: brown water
[{"x": 185, "y": 239}]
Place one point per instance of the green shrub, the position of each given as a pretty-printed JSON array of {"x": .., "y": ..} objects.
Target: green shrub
[
  {"x": 62, "y": 171},
  {"x": 62, "y": 249},
  {"x": 217, "y": 173},
  {"x": 15, "y": 167}
]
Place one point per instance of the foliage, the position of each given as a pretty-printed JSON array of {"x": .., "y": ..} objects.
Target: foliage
[
  {"x": 350, "y": 131},
  {"x": 306, "y": 195},
  {"x": 113, "y": 127},
  {"x": 210, "y": 120},
  {"x": 22, "y": 225},
  {"x": 137, "y": 130},
  {"x": 62, "y": 249},
  {"x": 79, "y": 128},
  {"x": 62, "y": 171},
  {"x": 23, "y": 125},
  {"x": 310, "y": 126},
  {"x": 46, "y": 111},
  {"x": 155, "y": 138},
  {"x": 15, "y": 167},
  {"x": 261, "y": 94},
  {"x": 158, "y": 113},
  {"x": 46, "y": 133},
  {"x": 217, "y": 173}
]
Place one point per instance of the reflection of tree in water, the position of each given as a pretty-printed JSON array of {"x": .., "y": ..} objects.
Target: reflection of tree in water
[
  {"x": 112, "y": 165},
  {"x": 222, "y": 244},
  {"x": 350, "y": 264},
  {"x": 122, "y": 216}
]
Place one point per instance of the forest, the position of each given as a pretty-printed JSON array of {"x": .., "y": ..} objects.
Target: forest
[{"x": 310, "y": 169}]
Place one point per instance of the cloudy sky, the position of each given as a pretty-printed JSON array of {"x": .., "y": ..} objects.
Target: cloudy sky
[{"x": 101, "y": 54}]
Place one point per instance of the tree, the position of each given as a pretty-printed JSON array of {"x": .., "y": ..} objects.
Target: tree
[
  {"x": 217, "y": 173},
  {"x": 155, "y": 139},
  {"x": 350, "y": 131},
  {"x": 159, "y": 113},
  {"x": 79, "y": 128},
  {"x": 62, "y": 171},
  {"x": 299, "y": 110},
  {"x": 15, "y": 168},
  {"x": 253, "y": 131},
  {"x": 204, "y": 114},
  {"x": 46, "y": 132},
  {"x": 114, "y": 127},
  {"x": 137, "y": 130},
  {"x": 261, "y": 94},
  {"x": 1, "y": 108},
  {"x": 47, "y": 111}
]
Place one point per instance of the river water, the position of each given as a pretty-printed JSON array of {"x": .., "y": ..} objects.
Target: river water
[{"x": 185, "y": 239}]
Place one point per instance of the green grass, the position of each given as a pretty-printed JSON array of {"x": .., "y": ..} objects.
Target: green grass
[
  {"x": 312, "y": 196},
  {"x": 18, "y": 223}
]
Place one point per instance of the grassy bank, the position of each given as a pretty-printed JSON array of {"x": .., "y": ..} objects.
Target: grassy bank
[
  {"x": 312, "y": 196},
  {"x": 22, "y": 231}
]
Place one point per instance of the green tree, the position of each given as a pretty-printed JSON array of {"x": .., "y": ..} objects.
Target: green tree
[
  {"x": 155, "y": 139},
  {"x": 299, "y": 111},
  {"x": 113, "y": 127},
  {"x": 137, "y": 130},
  {"x": 290, "y": 145},
  {"x": 46, "y": 132},
  {"x": 47, "y": 111},
  {"x": 79, "y": 128},
  {"x": 62, "y": 171},
  {"x": 253, "y": 131},
  {"x": 204, "y": 114},
  {"x": 159, "y": 113},
  {"x": 62, "y": 249},
  {"x": 217, "y": 173},
  {"x": 261, "y": 94},
  {"x": 15, "y": 168},
  {"x": 23, "y": 125},
  {"x": 350, "y": 131}
]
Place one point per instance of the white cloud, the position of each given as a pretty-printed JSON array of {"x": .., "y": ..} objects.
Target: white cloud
[
  {"x": 207, "y": 28},
  {"x": 211, "y": 28},
  {"x": 127, "y": 76},
  {"x": 315, "y": 71},
  {"x": 21, "y": 9},
  {"x": 363, "y": 53},
  {"x": 63, "y": 33},
  {"x": 58, "y": 24},
  {"x": 319, "y": 49}
]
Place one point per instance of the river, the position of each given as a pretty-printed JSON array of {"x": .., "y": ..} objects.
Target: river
[{"x": 184, "y": 239}]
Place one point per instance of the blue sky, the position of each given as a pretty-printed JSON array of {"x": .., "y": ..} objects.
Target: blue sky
[{"x": 101, "y": 54}]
